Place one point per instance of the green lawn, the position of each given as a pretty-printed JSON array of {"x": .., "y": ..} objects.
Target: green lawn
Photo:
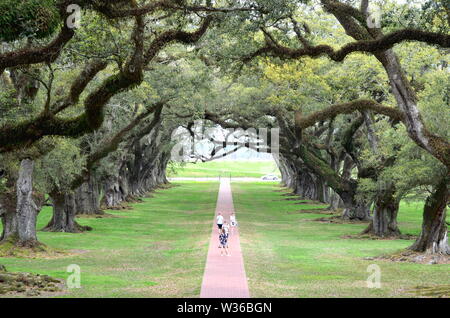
[
  {"x": 288, "y": 255},
  {"x": 156, "y": 250},
  {"x": 159, "y": 249},
  {"x": 241, "y": 168}
]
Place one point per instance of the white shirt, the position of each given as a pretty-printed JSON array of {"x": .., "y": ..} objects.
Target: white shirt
[
  {"x": 219, "y": 219},
  {"x": 233, "y": 218}
]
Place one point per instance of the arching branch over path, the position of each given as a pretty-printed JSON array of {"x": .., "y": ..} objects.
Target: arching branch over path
[
  {"x": 131, "y": 75},
  {"x": 347, "y": 108},
  {"x": 372, "y": 40}
]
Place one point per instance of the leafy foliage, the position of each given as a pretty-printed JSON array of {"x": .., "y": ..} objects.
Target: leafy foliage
[{"x": 27, "y": 19}]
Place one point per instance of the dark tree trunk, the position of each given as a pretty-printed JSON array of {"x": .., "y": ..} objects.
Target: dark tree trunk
[
  {"x": 289, "y": 179},
  {"x": 164, "y": 161},
  {"x": 335, "y": 202},
  {"x": 353, "y": 209},
  {"x": 113, "y": 193},
  {"x": 64, "y": 211},
  {"x": 384, "y": 220},
  {"x": 280, "y": 161},
  {"x": 8, "y": 203},
  {"x": 87, "y": 198},
  {"x": 434, "y": 236},
  {"x": 27, "y": 210},
  {"x": 358, "y": 210}
]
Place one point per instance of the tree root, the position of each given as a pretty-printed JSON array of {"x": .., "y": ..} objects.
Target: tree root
[
  {"x": 78, "y": 227},
  {"x": 441, "y": 291},
  {"x": 315, "y": 211},
  {"x": 366, "y": 236},
  {"x": 339, "y": 220},
  {"x": 12, "y": 248},
  {"x": 134, "y": 199},
  {"x": 413, "y": 257},
  {"x": 28, "y": 284},
  {"x": 166, "y": 186}
]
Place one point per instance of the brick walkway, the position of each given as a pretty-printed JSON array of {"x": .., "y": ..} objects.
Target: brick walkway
[{"x": 224, "y": 276}]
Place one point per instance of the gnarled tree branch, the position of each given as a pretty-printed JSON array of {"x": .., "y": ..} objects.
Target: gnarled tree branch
[
  {"x": 347, "y": 108},
  {"x": 370, "y": 46}
]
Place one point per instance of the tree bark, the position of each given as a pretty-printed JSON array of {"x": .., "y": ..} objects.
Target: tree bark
[
  {"x": 407, "y": 103},
  {"x": 355, "y": 210},
  {"x": 384, "y": 220},
  {"x": 434, "y": 236},
  {"x": 335, "y": 201},
  {"x": 8, "y": 203},
  {"x": 113, "y": 193},
  {"x": 87, "y": 198},
  {"x": 64, "y": 211},
  {"x": 27, "y": 210}
]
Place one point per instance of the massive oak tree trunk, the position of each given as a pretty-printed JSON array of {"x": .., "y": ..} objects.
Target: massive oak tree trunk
[
  {"x": 291, "y": 180},
  {"x": 384, "y": 220},
  {"x": 355, "y": 209},
  {"x": 335, "y": 201},
  {"x": 64, "y": 211},
  {"x": 27, "y": 210},
  {"x": 112, "y": 192},
  {"x": 87, "y": 198},
  {"x": 286, "y": 173},
  {"x": 8, "y": 203},
  {"x": 162, "y": 167},
  {"x": 434, "y": 235},
  {"x": 311, "y": 187}
]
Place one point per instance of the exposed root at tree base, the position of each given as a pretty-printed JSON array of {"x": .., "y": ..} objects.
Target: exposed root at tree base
[
  {"x": 9, "y": 249},
  {"x": 121, "y": 207},
  {"x": 28, "y": 284},
  {"x": 78, "y": 229},
  {"x": 310, "y": 202},
  {"x": 440, "y": 291},
  {"x": 300, "y": 200},
  {"x": 414, "y": 257},
  {"x": 290, "y": 198},
  {"x": 96, "y": 216},
  {"x": 339, "y": 220},
  {"x": 282, "y": 190},
  {"x": 315, "y": 211},
  {"x": 290, "y": 194},
  {"x": 167, "y": 186},
  {"x": 134, "y": 200},
  {"x": 374, "y": 237}
]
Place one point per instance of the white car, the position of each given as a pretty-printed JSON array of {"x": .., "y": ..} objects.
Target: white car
[{"x": 270, "y": 177}]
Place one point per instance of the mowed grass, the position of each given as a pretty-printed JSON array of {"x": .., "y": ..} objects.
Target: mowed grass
[
  {"x": 236, "y": 168},
  {"x": 288, "y": 255},
  {"x": 158, "y": 249}
]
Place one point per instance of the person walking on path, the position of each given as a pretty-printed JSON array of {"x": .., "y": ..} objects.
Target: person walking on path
[
  {"x": 226, "y": 228},
  {"x": 233, "y": 222},
  {"x": 219, "y": 220},
  {"x": 224, "y": 278},
  {"x": 223, "y": 238}
]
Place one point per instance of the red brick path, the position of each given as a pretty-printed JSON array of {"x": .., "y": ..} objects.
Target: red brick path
[{"x": 224, "y": 276}]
